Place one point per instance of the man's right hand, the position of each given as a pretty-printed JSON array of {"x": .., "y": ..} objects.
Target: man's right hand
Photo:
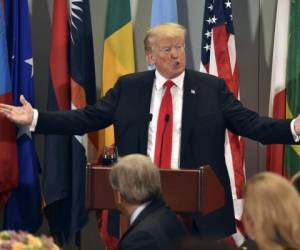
[{"x": 22, "y": 115}]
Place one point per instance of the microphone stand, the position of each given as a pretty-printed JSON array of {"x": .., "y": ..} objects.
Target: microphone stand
[
  {"x": 150, "y": 118},
  {"x": 167, "y": 118}
]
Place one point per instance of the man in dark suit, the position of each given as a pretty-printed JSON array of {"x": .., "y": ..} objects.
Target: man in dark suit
[
  {"x": 136, "y": 184},
  {"x": 202, "y": 109}
]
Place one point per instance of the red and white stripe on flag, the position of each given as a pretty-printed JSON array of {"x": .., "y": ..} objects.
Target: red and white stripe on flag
[
  {"x": 275, "y": 153},
  {"x": 218, "y": 57}
]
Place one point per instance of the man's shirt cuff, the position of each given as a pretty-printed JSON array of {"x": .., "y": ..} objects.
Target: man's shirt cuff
[
  {"x": 34, "y": 120},
  {"x": 295, "y": 136}
]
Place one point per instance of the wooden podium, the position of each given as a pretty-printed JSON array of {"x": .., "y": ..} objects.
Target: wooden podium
[{"x": 185, "y": 191}]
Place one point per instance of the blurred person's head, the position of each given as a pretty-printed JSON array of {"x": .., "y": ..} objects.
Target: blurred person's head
[
  {"x": 135, "y": 180},
  {"x": 272, "y": 212},
  {"x": 296, "y": 181},
  {"x": 165, "y": 48}
]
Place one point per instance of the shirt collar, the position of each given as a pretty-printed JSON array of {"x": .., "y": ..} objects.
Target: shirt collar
[
  {"x": 160, "y": 80},
  {"x": 137, "y": 211}
]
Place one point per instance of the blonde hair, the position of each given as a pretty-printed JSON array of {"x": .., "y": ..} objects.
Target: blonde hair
[
  {"x": 165, "y": 30},
  {"x": 273, "y": 205},
  {"x": 137, "y": 178}
]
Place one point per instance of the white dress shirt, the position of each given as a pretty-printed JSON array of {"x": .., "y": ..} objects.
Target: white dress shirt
[{"x": 177, "y": 98}]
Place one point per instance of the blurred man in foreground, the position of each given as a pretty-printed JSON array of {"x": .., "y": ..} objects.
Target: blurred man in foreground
[{"x": 136, "y": 184}]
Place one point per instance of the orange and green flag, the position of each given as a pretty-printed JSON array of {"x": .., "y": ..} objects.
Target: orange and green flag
[{"x": 118, "y": 54}]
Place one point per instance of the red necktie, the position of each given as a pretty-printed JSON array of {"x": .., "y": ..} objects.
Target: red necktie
[{"x": 163, "y": 144}]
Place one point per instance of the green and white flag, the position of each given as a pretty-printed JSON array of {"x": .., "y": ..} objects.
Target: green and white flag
[{"x": 285, "y": 83}]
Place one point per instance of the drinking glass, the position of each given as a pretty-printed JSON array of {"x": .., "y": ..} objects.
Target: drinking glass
[{"x": 110, "y": 155}]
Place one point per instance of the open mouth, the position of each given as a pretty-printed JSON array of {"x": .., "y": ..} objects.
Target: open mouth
[{"x": 177, "y": 64}]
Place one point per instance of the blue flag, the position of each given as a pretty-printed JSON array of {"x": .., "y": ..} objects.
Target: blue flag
[
  {"x": 23, "y": 209},
  {"x": 5, "y": 85},
  {"x": 163, "y": 11}
]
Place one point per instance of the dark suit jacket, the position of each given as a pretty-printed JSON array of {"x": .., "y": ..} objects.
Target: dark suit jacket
[
  {"x": 248, "y": 245},
  {"x": 208, "y": 109},
  {"x": 155, "y": 228}
]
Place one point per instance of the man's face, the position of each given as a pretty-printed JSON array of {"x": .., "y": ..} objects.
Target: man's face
[{"x": 168, "y": 56}]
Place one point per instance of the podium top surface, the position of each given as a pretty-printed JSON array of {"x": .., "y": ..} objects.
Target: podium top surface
[{"x": 185, "y": 190}]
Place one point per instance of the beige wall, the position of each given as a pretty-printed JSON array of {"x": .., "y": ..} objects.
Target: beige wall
[{"x": 254, "y": 26}]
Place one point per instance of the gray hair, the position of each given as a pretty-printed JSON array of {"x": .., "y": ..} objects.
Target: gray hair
[
  {"x": 164, "y": 30},
  {"x": 136, "y": 178}
]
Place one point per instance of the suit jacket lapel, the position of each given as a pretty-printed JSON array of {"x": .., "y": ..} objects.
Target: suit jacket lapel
[
  {"x": 190, "y": 93},
  {"x": 144, "y": 103}
]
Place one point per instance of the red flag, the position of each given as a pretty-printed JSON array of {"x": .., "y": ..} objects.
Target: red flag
[
  {"x": 8, "y": 155},
  {"x": 277, "y": 105},
  {"x": 8, "y": 148},
  {"x": 72, "y": 86}
]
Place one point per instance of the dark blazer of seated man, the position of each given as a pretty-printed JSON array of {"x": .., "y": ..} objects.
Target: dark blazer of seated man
[{"x": 136, "y": 184}]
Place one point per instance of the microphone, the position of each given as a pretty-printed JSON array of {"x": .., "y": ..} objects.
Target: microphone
[
  {"x": 166, "y": 118},
  {"x": 150, "y": 117}
]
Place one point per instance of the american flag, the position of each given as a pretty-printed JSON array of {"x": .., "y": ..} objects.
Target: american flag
[{"x": 218, "y": 57}]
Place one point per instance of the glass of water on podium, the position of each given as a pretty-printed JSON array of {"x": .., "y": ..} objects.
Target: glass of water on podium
[{"x": 110, "y": 155}]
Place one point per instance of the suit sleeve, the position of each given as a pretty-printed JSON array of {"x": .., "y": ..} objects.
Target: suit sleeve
[
  {"x": 81, "y": 121},
  {"x": 245, "y": 122}
]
